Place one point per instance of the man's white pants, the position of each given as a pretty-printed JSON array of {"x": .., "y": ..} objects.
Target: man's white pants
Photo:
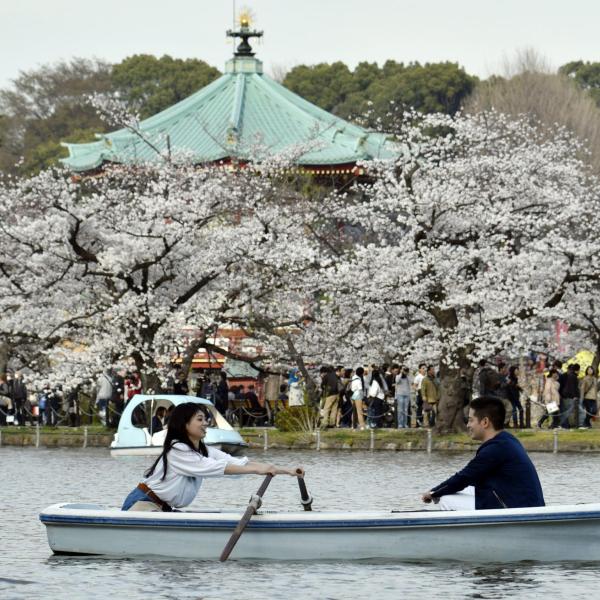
[{"x": 464, "y": 500}]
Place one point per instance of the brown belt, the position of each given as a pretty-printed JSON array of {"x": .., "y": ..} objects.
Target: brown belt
[{"x": 162, "y": 505}]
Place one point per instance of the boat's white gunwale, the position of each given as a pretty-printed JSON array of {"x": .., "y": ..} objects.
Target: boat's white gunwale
[{"x": 59, "y": 516}]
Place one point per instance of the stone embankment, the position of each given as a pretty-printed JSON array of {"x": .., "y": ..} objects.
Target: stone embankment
[{"x": 339, "y": 439}]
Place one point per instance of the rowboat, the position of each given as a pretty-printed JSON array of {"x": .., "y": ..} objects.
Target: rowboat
[
  {"x": 134, "y": 435},
  {"x": 552, "y": 533}
]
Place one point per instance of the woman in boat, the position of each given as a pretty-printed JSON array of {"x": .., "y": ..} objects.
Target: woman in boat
[{"x": 173, "y": 481}]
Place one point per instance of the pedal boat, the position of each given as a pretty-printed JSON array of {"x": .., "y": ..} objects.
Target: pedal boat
[
  {"x": 553, "y": 533},
  {"x": 132, "y": 439}
]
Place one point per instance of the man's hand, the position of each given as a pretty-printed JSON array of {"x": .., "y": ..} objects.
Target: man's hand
[{"x": 428, "y": 497}]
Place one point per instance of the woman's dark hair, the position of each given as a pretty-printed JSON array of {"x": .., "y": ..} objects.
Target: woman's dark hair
[
  {"x": 551, "y": 372},
  {"x": 512, "y": 373},
  {"x": 360, "y": 372},
  {"x": 347, "y": 373},
  {"x": 376, "y": 375},
  {"x": 176, "y": 432}
]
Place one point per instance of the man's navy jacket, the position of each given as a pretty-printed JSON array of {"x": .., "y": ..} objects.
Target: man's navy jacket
[{"x": 502, "y": 474}]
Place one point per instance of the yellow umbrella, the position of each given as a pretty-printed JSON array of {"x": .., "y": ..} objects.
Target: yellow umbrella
[{"x": 583, "y": 358}]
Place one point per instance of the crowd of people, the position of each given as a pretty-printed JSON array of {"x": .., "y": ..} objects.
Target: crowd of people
[
  {"x": 104, "y": 400},
  {"x": 373, "y": 396},
  {"x": 380, "y": 396},
  {"x": 392, "y": 396}
]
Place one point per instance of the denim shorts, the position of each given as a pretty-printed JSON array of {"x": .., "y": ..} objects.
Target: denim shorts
[{"x": 136, "y": 495}]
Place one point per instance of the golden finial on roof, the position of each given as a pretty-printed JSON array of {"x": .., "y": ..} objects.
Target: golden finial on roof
[{"x": 245, "y": 18}]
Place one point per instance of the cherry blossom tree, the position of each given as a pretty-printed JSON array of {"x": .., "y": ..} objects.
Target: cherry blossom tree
[
  {"x": 470, "y": 243},
  {"x": 482, "y": 230},
  {"x": 115, "y": 266}
]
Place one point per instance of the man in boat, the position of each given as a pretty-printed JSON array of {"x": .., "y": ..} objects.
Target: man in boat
[{"x": 501, "y": 473}]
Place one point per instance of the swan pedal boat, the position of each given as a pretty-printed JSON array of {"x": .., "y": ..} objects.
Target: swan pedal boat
[
  {"x": 136, "y": 440},
  {"x": 551, "y": 533}
]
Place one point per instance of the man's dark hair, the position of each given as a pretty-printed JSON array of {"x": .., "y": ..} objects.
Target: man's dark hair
[
  {"x": 492, "y": 408},
  {"x": 482, "y": 362},
  {"x": 422, "y": 365}
]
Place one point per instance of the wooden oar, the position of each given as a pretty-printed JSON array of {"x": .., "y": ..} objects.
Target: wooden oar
[
  {"x": 254, "y": 505},
  {"x": 305, "y": 497}
]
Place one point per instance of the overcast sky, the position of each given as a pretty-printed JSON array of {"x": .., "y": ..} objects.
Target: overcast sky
[{"x": 478, "y": 34}]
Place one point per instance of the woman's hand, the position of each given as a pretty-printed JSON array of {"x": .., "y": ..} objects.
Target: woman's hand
[{"x": 297, "y": 472}]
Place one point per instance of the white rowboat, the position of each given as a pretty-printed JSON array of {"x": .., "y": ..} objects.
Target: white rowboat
[{"x": 552, "y": 533}]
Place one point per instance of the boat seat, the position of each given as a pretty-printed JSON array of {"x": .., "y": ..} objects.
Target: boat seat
[
  {"x": 147, "y": 436},
  {"x": 158, "y": 439}
]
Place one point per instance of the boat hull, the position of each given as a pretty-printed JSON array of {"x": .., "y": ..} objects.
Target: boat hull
[{"x": 567, "y": 533}]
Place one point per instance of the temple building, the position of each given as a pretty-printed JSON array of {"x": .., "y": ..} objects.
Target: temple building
[{"x": 231, "y": 119}]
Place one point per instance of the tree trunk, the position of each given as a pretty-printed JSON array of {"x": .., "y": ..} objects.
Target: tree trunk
[
  {"x": 189, "y": 353},
  {"x": 450, "y": 418},
  {"x": 150, "y": 380},
  {"x": 4, "y": 353},
  {"x": 151, "y": 383},
  {"x": 311, "y": 388}
]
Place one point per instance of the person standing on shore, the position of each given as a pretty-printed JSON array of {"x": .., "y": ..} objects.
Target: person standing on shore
[
  {"x": 551, "y": 397},
  {"x": 104, "y": 393},
  {"x": 570, "y": 396},
  {"x": 417, "y": 383},
  {"x": 589, "y": 396},
  {"x": 6, "y": 404},
  {"x": 402, "y": 393},
  {"x": 513, "y": 390},
  {"x": 430, "y": 394},
  {"x": 331, "y": 395},
  {"x": 19, "y": 392},
  {"x": 357, "y": 387},
  {"x": 500, "y": 476},
  {"x": 375, "y": 400}
]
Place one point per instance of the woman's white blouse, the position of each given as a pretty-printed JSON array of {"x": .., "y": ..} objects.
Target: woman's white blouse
[
  {"x": 186, "y": 471},
  {"x": 375, "y": 391},
  {"x": 356, "y": 385}
]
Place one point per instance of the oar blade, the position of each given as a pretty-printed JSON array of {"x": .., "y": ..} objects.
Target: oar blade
[{"x": 252, "y": 508}]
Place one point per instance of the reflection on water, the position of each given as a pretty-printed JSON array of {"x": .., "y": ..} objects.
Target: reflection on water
[
  {"x": 494, "y": 581},
  {"x": 34, "y": 479}
]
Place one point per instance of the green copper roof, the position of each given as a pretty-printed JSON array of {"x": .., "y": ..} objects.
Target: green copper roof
[{"x": 241, "y": 111}]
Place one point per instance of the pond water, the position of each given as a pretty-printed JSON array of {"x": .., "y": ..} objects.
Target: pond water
[{"x": 36, "y": 478}]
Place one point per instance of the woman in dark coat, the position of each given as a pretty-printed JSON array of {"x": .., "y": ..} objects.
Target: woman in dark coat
[{"x": 513, "y": 391}]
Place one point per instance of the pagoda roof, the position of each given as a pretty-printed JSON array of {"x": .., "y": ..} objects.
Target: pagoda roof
[{"x": 231, "y": 118}]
